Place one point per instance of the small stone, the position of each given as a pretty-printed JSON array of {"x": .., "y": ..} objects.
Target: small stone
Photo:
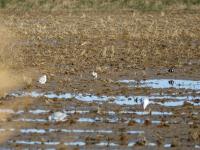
[
  {"x": 131, "y": 123},
  {"x": 141, "y": 142},
  {"x": 147, "y": 122},
  {"x": 171, "y": 70}
]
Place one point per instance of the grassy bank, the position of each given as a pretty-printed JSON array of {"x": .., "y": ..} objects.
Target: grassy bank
[{"x": 143, "y": 5}]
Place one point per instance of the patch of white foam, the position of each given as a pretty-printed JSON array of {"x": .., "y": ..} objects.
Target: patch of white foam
[
  {"x": 167, "y": 145},
  {"x": 197, "y": 146}
]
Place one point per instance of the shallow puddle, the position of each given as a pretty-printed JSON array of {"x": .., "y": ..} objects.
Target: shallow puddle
[
  {"x": 167, "y": 145},
  {"x": 34, "y": 142},
  {"x": 82, "y": 143},
  {"x": 95, "y": 120},
  {"x": 30, "y": 120},
  {"x": 124, "y": 113},
  {"x": 78, "y": 131},
  {"x": 164, "y": 83},
  {"x": 78, "y": 143},
  {"x": 40, "y": 111},
  {"x": 119, "y": 100}
]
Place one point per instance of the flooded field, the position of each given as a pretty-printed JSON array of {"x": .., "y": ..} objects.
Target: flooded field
[
  {"x": 107, "y": 121},
  {"x": 91, "y": 80}
]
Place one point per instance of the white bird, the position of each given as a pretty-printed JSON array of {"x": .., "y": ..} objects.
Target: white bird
[
  {"x": 43, "y": 79},
  {"x": 145, "y": 102},
  {"x": 94, "y": 74},
  {"x": 57, "y": 116}
]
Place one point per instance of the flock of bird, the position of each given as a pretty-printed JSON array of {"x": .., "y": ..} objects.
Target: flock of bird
[{"x": 61, "y": 116}]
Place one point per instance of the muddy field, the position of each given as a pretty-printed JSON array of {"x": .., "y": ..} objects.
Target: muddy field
[{"x": 135, "y": 55}]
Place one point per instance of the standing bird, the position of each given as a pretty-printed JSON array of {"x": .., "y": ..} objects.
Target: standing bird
[
  {"x": 57, "y": 117},
  {"x": 145, "y": 102},
  {"x": 43, "y": 79},
  {"x": 171, "y": 82},
  {"x": 94, "y": 74}
]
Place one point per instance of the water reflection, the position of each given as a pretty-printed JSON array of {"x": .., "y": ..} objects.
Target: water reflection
[
  {"x": 119, "y": 100},
  {"x": 164, "y": 83}
]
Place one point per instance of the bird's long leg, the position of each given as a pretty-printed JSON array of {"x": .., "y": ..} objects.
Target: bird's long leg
[
  {"x": 75, "y": 110},
  {"x": 144, "y": 112},
  {"x": 98, "y": 108},
  {"x": 150, "y": 111}
]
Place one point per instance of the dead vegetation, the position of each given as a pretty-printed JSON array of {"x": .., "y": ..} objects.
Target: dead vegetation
[
  {"x": 7, "y": 51},
  {"x": 13, "y": 74},
  {"x": 7, "y": 57},
  {"x": 68, "y": 46},
  {"x": 107, "y": 41},
  {"x": 105, "y": 5},
  {"x": 9, "y": 81}
]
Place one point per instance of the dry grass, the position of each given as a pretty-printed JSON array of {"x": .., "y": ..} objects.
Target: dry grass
[
  {"x": 9, "y": 81},
  {"x": 143, "y": 5},
  {"x": 11, "y": 74},
  {"x": 5, "y": 136},
  {"x": 7, "y": 51},
  {"x": 78, "y": 42},
  {"x": 7, "y": 78},
  {"x": 67, "y": 44}
]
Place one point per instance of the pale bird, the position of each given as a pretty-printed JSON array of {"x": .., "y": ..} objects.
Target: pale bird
[
  {"x": 94, "y": 74},
  {"x": 145, "y": 102},
  {"x": 43, "y": 79},
  {"x": 57, "y": 116}
]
